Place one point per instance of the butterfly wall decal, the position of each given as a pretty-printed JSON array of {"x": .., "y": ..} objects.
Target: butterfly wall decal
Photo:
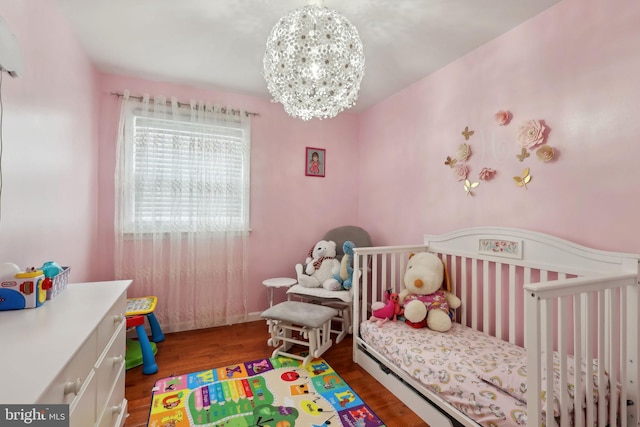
[
  {"x": 523, "y": 180},
  {"x": 467, "y": 133},
  {"x": 523, "y": 154},
  {"x": 468, "y": 186},
  {"x": 450, "y": 162}
]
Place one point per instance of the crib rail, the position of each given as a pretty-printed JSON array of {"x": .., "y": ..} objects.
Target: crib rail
[{"x": 584, "y": 319}]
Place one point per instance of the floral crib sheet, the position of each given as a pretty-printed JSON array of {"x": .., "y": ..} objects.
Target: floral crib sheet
[{"x": 480, "y": 375}]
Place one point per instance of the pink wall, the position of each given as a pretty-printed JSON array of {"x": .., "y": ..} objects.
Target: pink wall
[
  {"x": 576, "y": 66},
  {"x": 49, "y": 195},
  {"x": 289, "y": 211}
]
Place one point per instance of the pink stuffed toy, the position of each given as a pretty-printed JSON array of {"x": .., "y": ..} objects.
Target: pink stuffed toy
[{"x": 387, "y": 311}]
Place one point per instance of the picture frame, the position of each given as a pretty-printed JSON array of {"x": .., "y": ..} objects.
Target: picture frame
[{"x": 315, "y": 161}]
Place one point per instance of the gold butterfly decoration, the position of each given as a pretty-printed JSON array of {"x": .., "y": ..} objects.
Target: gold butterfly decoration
[
  {"x": 450, "y": 162},
  {"x": 522, "y": 181},
  {"x": 467, "y": 133},
  {"x": 523, "y": 154},
  {"x": 468, "y": 186}
]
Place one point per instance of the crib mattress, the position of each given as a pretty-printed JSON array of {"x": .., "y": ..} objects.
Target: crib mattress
[{"x": 482, "y": 376}]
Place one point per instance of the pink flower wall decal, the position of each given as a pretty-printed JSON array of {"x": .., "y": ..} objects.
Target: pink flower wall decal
[
  {"x": 486, "y": 174},
  {"x": 502, "y": 117},
  {"x": 530, "y": 134},
  {"x": 461, "y": 171}
]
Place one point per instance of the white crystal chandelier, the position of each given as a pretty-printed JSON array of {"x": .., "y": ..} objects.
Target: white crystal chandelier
[{"x": 314, "y": 63}]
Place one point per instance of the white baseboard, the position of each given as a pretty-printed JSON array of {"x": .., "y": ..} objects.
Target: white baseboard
[{"x": 252, "y": 317}]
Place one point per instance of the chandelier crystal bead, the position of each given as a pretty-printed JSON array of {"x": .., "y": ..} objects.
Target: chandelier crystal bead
[{"x": 314, "y": 63}]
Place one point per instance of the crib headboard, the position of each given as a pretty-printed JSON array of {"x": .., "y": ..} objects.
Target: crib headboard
[{"x": 531, "y": 249}]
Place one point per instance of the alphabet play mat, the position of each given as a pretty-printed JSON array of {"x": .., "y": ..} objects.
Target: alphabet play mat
[{"x": 271, "y": 392}]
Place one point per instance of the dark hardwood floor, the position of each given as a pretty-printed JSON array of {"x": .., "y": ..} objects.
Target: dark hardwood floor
[{"x": 192, "y": 351}]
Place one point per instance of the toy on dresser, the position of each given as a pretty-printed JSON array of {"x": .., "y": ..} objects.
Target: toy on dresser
[{"x": 22, "y": 289}]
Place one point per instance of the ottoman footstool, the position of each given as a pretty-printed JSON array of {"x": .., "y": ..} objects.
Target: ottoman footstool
[{"x": 311, "y": 321}]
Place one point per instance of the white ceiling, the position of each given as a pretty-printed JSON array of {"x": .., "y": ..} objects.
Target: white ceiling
[{"x": 219, "y": 44}]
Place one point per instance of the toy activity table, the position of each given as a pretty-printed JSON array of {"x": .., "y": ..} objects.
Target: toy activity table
[{"x": 143, "y": 351}]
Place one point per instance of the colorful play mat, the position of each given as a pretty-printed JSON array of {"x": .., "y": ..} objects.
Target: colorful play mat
[{"x": 272, "y": 392}]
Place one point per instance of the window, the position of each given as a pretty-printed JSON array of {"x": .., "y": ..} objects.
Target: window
[{"x": 186, "y": 175}]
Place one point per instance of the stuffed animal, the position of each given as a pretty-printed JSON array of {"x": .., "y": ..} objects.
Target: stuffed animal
[
  {"x": 345, "y": 275},
  {"x": 320, "y": 266},
  {"x": 381, "y": 312},
  {"x": 425, "y": 302}
]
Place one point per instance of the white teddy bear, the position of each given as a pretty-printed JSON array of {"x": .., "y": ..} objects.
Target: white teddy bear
[
  {"x": 321, "y": 265},
  {"x": 425, "y": 303}
]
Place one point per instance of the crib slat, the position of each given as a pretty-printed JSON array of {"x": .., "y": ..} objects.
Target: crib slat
[
  {"x": 462, "y": 289},
  {"x": 588, "y": 357},
  {"x": 634, "y": 343},
  {"x": 577, "y": 349},
  {"x": 373, "y": 259},
  {"x": 563, "y": 312},
  {"x": 622, "y": 309},
  {"x": 402, "y": 268},
  {"x": 485, "y": 297},
  {"x": 512, "y": 304},
  {"x": 465, "y": 288},
  {"x": 498, "y": 300},
  {"x": 602, "y": 412},
  {"x": 452, "y": 268},
  {"x": 365, "y": 287},
  {"x": 614, "y": 350},
  {"x": 526, "y": 278},
  {"x": 547, "y": 328},
  {"x": 475, "y": 309}
]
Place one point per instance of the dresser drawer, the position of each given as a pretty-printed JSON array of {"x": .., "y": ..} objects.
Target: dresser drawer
[
  {"x": 115, "y": 411},
  {"x": 123, "y": 414},
  {"x": 82, "y": 411},
  {"x": 112, "y": 321},
  {"x": 66, "y": 387},
  {"x": 110, "y": 363}
]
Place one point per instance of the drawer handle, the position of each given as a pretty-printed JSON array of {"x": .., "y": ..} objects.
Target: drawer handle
[
  {"x": 118, "y": 318},
  {"x": 116, "y": 409},
  {"x": 73, "y": 387},
  {"x": 118, "y": 359}
]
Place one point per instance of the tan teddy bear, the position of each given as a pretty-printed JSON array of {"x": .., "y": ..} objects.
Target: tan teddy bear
[{"x": 425, "y": 302}]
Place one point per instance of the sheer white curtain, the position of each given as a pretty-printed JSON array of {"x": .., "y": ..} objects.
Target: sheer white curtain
[{"x": 182, "y": 209}]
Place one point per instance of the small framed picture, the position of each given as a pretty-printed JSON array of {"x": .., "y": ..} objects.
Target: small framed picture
[{"x": 315, "y": 159}]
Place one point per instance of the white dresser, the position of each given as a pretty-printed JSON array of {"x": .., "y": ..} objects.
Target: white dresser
[{"x": 71, "y": 350}]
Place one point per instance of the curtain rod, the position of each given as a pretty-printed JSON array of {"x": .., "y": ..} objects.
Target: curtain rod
[{"x": 181, "y": 104}]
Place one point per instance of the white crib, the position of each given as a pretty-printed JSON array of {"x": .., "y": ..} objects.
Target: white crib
[{"x": 566, "y": 304}]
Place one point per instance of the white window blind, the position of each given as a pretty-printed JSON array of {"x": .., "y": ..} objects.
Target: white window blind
[{"x": 186, "y": 176}]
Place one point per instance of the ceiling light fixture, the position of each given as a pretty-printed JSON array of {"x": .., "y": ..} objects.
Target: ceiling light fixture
[{"x": 314, "y": 63}]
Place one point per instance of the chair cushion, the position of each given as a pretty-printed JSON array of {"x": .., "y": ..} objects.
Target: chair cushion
[
  {"x": 358, "y": 235},
  {"x": 300, "y": 313}
]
